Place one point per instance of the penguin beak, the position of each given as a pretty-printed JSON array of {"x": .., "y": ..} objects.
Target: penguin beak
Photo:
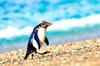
[{"x": 49, "y": 24}]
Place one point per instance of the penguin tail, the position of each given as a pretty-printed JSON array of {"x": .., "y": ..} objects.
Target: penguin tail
[
  {"x": 26, "y": 57},
  {"x": 27, "y": 54},
  {"x": 30, "y": 49}
]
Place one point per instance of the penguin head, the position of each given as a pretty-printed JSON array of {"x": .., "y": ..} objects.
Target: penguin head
[{"x": 44, "y": 24}]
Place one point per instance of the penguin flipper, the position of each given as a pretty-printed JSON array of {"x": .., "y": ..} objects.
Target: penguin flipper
[
  {"x": 46, "y": 41},
  {"x": 37, "y": 40}
]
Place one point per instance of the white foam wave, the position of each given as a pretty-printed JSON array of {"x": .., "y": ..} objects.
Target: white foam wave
[
  {"x": 11, "y": 32},
  {"x": 71, "y": 23},
  {"x": 59, "y": 25}
]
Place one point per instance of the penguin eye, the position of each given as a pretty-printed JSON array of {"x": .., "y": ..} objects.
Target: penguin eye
[{"x": 43, "y": 24}]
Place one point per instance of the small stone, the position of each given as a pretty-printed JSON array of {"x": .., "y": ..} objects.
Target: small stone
[
  {"x": 14, "y": 52},
  {"x": 16, "y": 63}
]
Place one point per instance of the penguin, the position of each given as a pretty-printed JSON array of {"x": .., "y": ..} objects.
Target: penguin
[{"x": 37, "y": 38}]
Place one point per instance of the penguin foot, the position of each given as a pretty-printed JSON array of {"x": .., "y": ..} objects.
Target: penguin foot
[
  {"x": 44, "y": 52},
  {"x": 32, "y": 56}
]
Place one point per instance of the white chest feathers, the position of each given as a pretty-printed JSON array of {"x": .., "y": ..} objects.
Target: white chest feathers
[{"x": 41, "y": 35}]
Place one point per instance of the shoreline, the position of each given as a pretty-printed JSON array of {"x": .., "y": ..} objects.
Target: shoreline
[
  {"x": 53, "y": 41},
  {"x": 83, "y": 53}
]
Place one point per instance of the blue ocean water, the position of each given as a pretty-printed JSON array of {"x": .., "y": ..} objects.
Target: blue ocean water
[{"x": 72, "y": 20}]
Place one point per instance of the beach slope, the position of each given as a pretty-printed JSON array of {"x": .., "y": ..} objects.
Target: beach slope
[{"x": 83, "y": 53}]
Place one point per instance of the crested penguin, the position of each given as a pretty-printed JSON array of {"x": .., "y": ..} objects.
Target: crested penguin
[{"x": 37, "y": 38}]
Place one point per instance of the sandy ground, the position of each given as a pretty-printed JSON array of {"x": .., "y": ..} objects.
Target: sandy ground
[{"x": 84, "y": 53}]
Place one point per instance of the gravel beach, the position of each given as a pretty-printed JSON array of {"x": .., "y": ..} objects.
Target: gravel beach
[{"x": 83, "y": 53}]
